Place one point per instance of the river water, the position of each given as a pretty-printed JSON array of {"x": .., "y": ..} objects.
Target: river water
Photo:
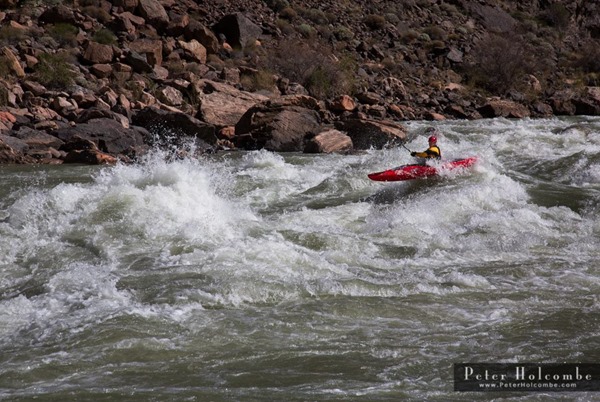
[{"x": 268, "y": 277}]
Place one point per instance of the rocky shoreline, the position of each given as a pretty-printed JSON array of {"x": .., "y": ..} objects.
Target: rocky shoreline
[{"x": 99, "y": 81}]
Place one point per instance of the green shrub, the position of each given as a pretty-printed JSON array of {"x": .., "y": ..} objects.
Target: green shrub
[
  {"x": 557, "y": 15},
  {"x": 65, "y": 34},
  {"x": 105, "y": 37},
  {"x": 314, "y": 15},
  {"x": 306, "y": 31},
  {"x": 53, "y": 71},
  {"x": 343, "y": 33}
]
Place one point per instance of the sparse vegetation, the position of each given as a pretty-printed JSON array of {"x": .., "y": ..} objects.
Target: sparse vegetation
[
  {"x": 306, "y": 31},
  {"x": 499, "y": 62},
  {"x": 557, "y": 16},
  {"x": 53, "y": 71},
  {"x": 11, "y": 36},
  {"x": 315, "y": 69},
  {"x": 4, "y": 69},
  {"x": 63, "y": 33},
  {"x": 105, "y": 37},
  {"x": 3, "y": 95},
  {"x": 98, "y": 13},
  {"x": 343, "y": 33},
  {"x": 261, "y": 80}
]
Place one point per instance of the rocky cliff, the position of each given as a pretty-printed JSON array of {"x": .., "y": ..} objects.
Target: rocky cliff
[{"x": 94, "y": 81}]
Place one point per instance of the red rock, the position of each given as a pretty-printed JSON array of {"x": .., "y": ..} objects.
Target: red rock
[
  {"x": 343, "y": 103},
  {"x": 96, "y": 53},
  {"x": 330, "y": 141}
]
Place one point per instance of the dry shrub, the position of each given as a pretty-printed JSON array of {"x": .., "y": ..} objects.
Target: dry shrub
[
  {"x": 589, "y": 59},
  {"x": 11, "y": 36},
  {"x": 314, "y": 67},
  {"x": 499, "y": 63},
  {"x": 375, "y": 21}
]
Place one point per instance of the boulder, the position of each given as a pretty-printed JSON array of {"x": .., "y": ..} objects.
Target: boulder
[
  {"x": 221, "y": 104},
  {"x": 100, "y": 113},
  {"x": 107, "y": 134},
  {"x": 277, "y": 126},
  {"x": 589, "y": 102},
  {"x": 97, "y": 53},
  {"x": 343, "y": 103},
  {"x": 12, "y": 62},
  {"x": 170, "y": 96},
  {"x": 10, "y": 156},
  {"x": 166, "y": 128},
  {"x": 367, "y": 134},
  {"x": 193, "y": 51},
  {"x": 34, "y": 87},
  {"x": 36, "y": 140},
  {"x": 84, "y": 151},
  {"x": 137, "y": 62},
  {"x": 58, "y": 14},
  {"x": 330, "y": 141},
  {"x": 7, "y": 117},
  {"x": 150, "y": 48},
  {"x": 154, "y": 13},
  {"x": 562, "y": 102},
  {"x": 127, "y": 5},
  {"x": 17, "y": 145},
  {"x": 196, "y": 30},
  {"x": 101, "y": 70},
  {"x": 238, "y": 30},
  {"x": 177, "y": 24},
  {"x": 504, "y": 108}
]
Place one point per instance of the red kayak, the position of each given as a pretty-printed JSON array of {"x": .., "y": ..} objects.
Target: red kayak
[{"x": 411, "y": 172}]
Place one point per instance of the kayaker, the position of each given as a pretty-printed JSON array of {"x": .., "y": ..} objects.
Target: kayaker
[{"x": 433, "y": 152}]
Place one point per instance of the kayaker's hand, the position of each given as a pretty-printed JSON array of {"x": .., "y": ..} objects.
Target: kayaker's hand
[{"x": 413, "y": 153}]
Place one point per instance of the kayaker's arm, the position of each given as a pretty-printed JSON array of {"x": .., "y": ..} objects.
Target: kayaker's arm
[{"x": 431, "y": 152}]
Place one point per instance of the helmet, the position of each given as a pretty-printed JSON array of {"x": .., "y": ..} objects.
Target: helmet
[{"x": 433, "y": 139}]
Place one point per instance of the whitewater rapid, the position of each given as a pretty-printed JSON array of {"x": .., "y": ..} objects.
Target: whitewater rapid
[{"x": 263, "y": 276}]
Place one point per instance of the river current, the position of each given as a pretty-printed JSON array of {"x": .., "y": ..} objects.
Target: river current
[{"x": 257, "y": 276}]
